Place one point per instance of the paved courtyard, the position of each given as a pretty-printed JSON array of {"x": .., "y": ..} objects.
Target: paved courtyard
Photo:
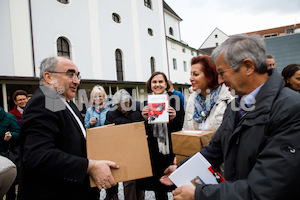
[{"x": 148, "y": 196}]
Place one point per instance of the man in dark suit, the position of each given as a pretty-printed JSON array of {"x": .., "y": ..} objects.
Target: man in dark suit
[{"x": 53, "y": 151}]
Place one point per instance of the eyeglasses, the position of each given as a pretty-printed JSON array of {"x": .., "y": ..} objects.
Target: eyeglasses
[
  {"x": 20, "y": 100},
  {"x": 221, "y": 73},
  {"x": 70, "y": 73}
]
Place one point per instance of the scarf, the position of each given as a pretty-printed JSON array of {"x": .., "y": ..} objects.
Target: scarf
[
  {"x": 160, "y": 131},
  {"x": 203, "y": 107},
  {"x": 99, "y": 108}
]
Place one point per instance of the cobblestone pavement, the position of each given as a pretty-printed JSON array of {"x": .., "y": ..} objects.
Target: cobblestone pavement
[{"x": 149, "y": 195}]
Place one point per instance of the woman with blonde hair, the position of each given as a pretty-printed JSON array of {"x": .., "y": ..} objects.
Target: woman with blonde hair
[{"x": 96, "y": 114}]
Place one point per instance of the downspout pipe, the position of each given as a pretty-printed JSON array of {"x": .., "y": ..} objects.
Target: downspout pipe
[{"x": 31, "y": 33}]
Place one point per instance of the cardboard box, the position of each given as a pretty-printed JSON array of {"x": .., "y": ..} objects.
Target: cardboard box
[
  {"x": 124, "y": 144},
  {"x": 188, "y": 142}
]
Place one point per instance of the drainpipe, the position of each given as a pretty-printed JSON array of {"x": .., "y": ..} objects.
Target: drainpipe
[
  {"x": 31, "y": 33},
  {"x": 166, "y": 40}
]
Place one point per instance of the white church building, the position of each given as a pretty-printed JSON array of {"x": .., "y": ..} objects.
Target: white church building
[{"x": 114, "y": 43}]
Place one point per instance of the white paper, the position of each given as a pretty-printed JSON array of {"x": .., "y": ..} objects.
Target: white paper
[
  {"x": 158, "y": 109},
  {"x": 192, "y": 131},
  {"x": 194, "y": 170}
]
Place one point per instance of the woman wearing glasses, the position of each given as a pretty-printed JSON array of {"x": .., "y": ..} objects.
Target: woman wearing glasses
[
  {"x": 206, "y": 106},
  {"x": 20, "y": 100}
]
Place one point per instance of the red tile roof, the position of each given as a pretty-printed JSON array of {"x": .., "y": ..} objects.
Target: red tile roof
[{"x": 278, "y": 30}]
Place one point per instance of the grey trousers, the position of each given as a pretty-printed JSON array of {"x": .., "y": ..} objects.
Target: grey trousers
[{"x": 8, "y": 173}]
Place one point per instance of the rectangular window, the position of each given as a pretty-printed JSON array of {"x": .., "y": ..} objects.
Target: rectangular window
[
  {"x": 216, "y": 36},
  {"x": 174, "y": 64},
  {"x": 192, "y": 53},
  {"x": 183, "y": 50},
  {"x": 271, "y": 35},
  {"x": 184, "y": 66}
]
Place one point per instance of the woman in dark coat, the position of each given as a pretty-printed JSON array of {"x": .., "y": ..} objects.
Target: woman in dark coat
[
  {"x": 159, "y": 139},
  {"x": 9, "y": 139},
  {"x": 291, "y": 75}
]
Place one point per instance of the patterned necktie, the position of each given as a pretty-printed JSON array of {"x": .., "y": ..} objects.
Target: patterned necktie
[{"x": 241, "y": 113}]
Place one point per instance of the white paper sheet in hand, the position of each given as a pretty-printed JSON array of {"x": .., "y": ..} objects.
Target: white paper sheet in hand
[{"x": 195, "y": 170}]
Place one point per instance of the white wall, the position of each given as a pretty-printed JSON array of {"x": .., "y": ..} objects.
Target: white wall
[
  {"x": 131, "y": 36},
  {"x": 173, "y": 22},
  {"x": 212, "y": 40},
  {"x": 175, "y": 51},
  {"x": 115, "y": 36},
  {"x": 95, "y": 29},
  {"x": 93, "y": 37},
  {"x": 152, "y": 46},
  {"x": 15, "y": 40},
  {"x": 52, "y": 20},
  {"x": 6, "y": 54}
]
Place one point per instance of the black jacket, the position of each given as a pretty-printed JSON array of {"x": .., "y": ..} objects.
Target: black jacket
[
  {"x": 262, "y": 153},
  {"x": 117, "y": 117},
  {"x": 53, "y": 152},
  {"x": 159, "y": 161}
]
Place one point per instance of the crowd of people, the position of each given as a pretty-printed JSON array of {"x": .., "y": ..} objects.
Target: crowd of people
[{"x": 237, "y": 92}]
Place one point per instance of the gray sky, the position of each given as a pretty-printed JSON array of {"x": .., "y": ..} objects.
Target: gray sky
[{"x": 201, "y": 17}]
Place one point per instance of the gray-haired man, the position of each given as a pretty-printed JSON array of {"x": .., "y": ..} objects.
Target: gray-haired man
[{"x": 260, "y": 149}]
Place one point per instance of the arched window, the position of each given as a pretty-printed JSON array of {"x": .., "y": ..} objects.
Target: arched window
[
  {"x": 63, "y": 47},
  {"x": 119, "y": 65},
  {"x": 116, "y": 18},
  {"x": 63, "y": 1},
  {"x": 148, "y": 3},
  {"x": 152, "y": 64},
  {"x": 171, "y": 31}
]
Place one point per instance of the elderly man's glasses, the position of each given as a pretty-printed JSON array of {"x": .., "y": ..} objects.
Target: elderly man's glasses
[
  {"x": 70, "y": 73},
  {"x": 221, "y": 73}
]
